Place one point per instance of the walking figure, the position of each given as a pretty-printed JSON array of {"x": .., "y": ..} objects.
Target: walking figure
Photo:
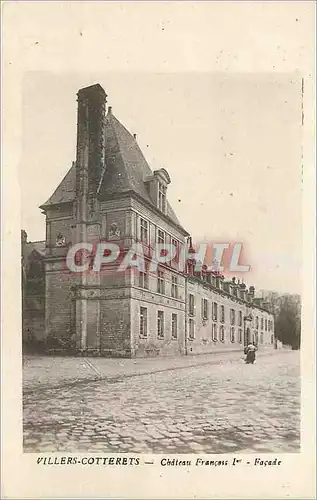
[{"x": 249, "y": 351}]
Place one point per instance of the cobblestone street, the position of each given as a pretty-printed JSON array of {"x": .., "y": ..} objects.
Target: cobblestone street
[{"x": 230, "y": 407}]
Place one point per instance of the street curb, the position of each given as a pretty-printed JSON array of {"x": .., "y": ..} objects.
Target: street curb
[{"x": 120, "y": 378}]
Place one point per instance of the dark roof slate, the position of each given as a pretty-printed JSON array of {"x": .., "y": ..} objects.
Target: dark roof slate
[{"x": 126, "y": 170}]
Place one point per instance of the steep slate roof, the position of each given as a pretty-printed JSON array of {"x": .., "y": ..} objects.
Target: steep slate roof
[
  {"x": 66, "y": 190},
  {"x": 126, "y": 170}
]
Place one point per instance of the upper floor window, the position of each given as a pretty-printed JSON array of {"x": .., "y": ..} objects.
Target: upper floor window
[
  {"x": 240, "y": 318},
  {"x": 214, "y": 311},
  {"x": 143, "y": 280},
  {"x": 191, "y": 305},
  {"x": 232, "y": 316},
  {"x": 266, "y": 325},
  {"x": 144, "y": 230},
  {"x": 175, "y": 245},
  {"x": 160, "y": 236},
  {"x": 261, "y": 323},
  {"x": 222, "y": 314},
  {"x": 174, "y": 287},
  {"x": 162, "y": 197},
  {"x": 257, "y": 322},
  {"x": 160, "y": 282},
  {"x": 204, "y": 308}
]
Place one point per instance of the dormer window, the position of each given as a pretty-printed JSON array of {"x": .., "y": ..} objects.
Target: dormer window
[
  {"x": 157, "y": 187},
  {"x": 162, "y": 197}
]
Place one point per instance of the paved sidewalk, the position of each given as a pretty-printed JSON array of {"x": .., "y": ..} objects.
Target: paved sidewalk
[{"x": 40, "y": 372}]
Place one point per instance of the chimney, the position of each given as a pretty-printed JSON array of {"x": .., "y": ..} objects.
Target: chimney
[
  {"x": 242, "y": 288},
  {"x": 90, "y": 154}
]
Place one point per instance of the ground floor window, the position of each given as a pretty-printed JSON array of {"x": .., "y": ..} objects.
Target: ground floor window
[
  {"x": 214, "y": 332},
  {"x": 240, "y": 335},
  {"x": 272, "y": 339},
  {"x": 160, "y": 324},
  {"x": 174, "y": 326},
  {"x": 232, "y": 334},
  {"x": 261, "y": 338},
  {"x": 143, "y": 321},
  {"x": 222, "y": 333},
  {"x": 191, "y": 328}
]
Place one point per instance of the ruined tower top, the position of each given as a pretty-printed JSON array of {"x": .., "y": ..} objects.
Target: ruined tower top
[{"x": 92, "y": 92}]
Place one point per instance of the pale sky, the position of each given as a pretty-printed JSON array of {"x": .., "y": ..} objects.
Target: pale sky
[
  {"x": 211, "y": 88},
  {"x": 230, "y": 142}
]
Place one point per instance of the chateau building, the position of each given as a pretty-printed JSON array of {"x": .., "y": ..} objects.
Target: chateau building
[{"x": 110, "y": 194}]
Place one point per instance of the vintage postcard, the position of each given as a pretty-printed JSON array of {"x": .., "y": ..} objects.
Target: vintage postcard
[{"x": 158, "y": 181}]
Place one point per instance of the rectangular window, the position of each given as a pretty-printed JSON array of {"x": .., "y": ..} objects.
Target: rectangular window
[
  {"x": 174, "y": 287},
  {"x": 261, "y": 323},
  {"x": 160, "y": 236},
  {"x": 191, "y": 305},
  {"x": 143, "y": 322},
  {"x": 257, "y": 322},
  {"x": 222, "y": 314},
  {"x": 240, "y": 335},
  {"x": 174, "y": 326},
  {"x": 214, "y": 332},
  {"x": 160, "y": 282},
  {"x": 160, "y": 324},
  {"x": 175, "y": 244},
  {"x": 214, "y": 311},
  {"x": 161, "y": 197},
  {"x": 261, "y": 338},
  {"x": 222, "y": 333},
  {"x": 191, "y": 329},
  {"x": 266, "y": 325},
  {"x": 144, "y": 230},
  {"x": 232, "y": 334},
  {"x": 143, "y": 280},
  {"x": 232, "y": 316},
  {"x": 240, "y": 318},
  {"x": 204, "y": 308}
]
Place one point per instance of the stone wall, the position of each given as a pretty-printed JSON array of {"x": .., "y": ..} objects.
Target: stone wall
[{"x": 208, "y": 331}]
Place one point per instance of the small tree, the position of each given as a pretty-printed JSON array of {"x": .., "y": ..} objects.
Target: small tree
[{"x": 287, "y": 321}]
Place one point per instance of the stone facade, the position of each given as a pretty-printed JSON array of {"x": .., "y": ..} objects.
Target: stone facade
[
  {"x": 111, "y": 194},
  {"x": 33, "y": 292}
]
